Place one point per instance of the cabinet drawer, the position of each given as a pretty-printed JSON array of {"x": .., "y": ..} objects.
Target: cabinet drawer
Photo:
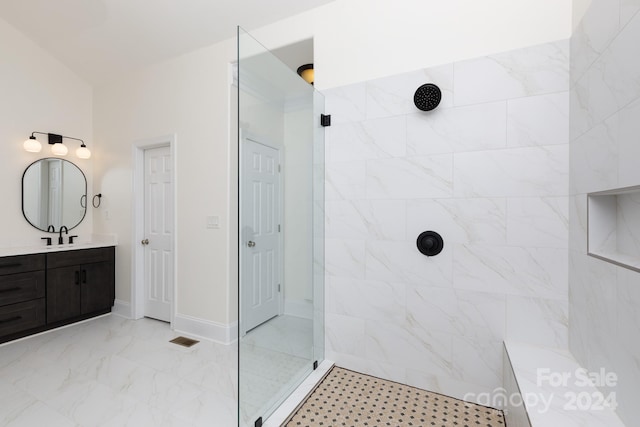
[
  {"x": 19, "y": 317},
  {"x": 82, "y": 256},
  {"x": 21, "y": 263},
  {"x": 22, "y": 287}
]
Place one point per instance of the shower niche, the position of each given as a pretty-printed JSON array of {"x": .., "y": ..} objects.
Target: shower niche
[{"x": 613, "y": 224}]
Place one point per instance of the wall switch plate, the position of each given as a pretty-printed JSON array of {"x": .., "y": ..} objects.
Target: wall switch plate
[{"x": 213, "y": 221}]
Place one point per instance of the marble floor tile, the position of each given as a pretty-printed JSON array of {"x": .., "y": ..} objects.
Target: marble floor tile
[{"x": 115, "y": 372}]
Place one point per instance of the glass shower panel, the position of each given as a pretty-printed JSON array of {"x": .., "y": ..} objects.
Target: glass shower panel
[{"x": 281, "y": 219}]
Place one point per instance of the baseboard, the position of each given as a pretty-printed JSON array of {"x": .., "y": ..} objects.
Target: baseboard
[
  {"x": 122, "y": 308},
  {"x": 299, "y": 308},
  {"x": 213, "y": 331}
]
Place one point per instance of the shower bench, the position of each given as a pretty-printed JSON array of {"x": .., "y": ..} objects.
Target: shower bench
[{"x": 553, "y": 388}]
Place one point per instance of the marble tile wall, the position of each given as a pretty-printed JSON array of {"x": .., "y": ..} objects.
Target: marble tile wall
[
  {"x": 604, "y": 299},
  {"x": 488, "y": 170}
]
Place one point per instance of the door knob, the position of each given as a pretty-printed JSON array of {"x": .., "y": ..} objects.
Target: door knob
[
  {"x": 145, "y": 242},
  {"x": 251, "y": 244}
]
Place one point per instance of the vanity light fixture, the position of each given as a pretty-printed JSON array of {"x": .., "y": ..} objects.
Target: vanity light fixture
[
  {"x": 58, "y": 148},
  {"x": 306, "y": 72}
]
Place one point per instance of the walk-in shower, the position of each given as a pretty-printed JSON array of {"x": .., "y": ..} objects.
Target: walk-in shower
[{"x": 280, "y": 230}]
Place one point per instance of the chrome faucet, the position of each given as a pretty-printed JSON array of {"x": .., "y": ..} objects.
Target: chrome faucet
[{"x": 66, "y": 230}]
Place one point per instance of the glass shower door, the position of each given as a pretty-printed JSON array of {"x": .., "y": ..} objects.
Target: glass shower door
[{"x": 281, "y": 220}]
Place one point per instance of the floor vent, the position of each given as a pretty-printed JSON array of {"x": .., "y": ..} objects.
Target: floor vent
[{"x": 183, "y": 341}]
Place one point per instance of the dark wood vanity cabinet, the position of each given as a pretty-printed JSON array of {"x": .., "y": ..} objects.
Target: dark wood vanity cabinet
[
  {"x": 22, "y": 292},
  {"x": 79, "y": 283},
  {"x": 44, "y": 291}
]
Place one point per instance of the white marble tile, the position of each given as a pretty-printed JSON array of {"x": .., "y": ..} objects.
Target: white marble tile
[
  {"x": 628, "y": 224},
  {"x": 628, "y": 9},
  {"x": 141, "y": 415},
  {"x": 628, "y": 128},
  {"x": 366, "y": 299},
  {"x": 345, "y": 180},
  {"x": 538, "y": 120},
  {"x": 526, "y": 359},
  {"x": 446, "y": 385},
  {"x": 457, "y": 312},
  {"x": 516, "y": 172},
  {"x": 15, "y": 402},
  {"x": 393, "y": 95},
  {"x": 89, "y": 404},
  {"x": 371, "y": 367},
  {"x": 538, "y": 222},
  {"x": 511, "y": 270},
  {"x": 346, "y": 104},
  {"x": 409, "y": 346},
  {"x": 627, "y": 359},
  {"x": 38, "y": 414},
  {"x": 449, "y": 130},
  {"x": 578, "y": 223},
  {"x": 478, "y": 361},
  {"x": 366, "y": 219},
  {"x": 371, "y": 139},
  {"x": 208, "y": 408},
  {"x": 594, "y": 33},
  {"x": 601, "y": 297},
  {"x": 523, "y": 72},
  {"x": 401, "y": 262},
  {"x": 622, "y": 68},
  {"x": 465, "y": 220},
  {"x": 345, "y": 258},
  {"x": 345, "y": 334},
  {"x": 611, "y": 82},
  {"x": 410, "y": 178},
  {"x": 537, "y": 321},
  {"x": 578, "y": 316},
  {"x": 581, "y": 119},
  {"x": 432, "y": 308}
]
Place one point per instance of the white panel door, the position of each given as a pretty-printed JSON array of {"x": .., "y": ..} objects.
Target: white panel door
[
  {"x": 158, "y": 233},
  {"x": 260, "y": 237}
]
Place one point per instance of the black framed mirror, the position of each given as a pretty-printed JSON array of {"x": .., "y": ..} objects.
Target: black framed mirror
[{"x": 54, "y": 193}]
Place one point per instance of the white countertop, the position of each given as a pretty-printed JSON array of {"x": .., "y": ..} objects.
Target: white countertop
[{"x": 95, "y": 242}]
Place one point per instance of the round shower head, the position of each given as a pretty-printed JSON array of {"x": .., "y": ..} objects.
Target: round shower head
[{"x": 427, "y": 97}]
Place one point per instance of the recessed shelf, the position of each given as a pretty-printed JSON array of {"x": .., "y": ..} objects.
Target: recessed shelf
[{"x": 614, "y": 226}]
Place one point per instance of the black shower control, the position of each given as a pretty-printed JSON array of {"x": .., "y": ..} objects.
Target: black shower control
[
  {"x": 430, "y": 243},
  {"x": 427, "y": 97}
]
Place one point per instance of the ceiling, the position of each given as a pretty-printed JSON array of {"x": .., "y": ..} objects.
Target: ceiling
[{"x": 99, "y": 39}]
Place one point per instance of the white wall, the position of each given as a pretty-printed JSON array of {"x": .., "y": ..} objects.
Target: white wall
[
  {"x": 358, "y": 40},
  {"x": 38, "y": 94},
  {"x": 187, "y": 96},
  {"x": 605, "y": 123}
]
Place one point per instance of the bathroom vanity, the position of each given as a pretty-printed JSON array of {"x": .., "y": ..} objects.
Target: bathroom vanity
[{"x": 54, "y": 287}]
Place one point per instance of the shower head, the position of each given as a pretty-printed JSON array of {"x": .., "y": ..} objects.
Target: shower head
[{"x": 427, "y": 97}]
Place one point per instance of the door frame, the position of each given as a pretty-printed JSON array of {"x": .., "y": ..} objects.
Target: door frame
[
  {"x": 244, "y": 135},
  {"x": 137, "y": 252}
]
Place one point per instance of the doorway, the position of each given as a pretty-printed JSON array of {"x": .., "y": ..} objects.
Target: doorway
[
  {"x": 153, "y": 285},
  {"x": 261, "y": 240}
]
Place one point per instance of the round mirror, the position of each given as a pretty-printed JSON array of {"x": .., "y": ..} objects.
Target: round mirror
[{"x": 54, "y": 193}]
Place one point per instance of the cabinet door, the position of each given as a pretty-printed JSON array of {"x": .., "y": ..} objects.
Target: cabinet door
[
  {"x": 97, "y": 287},
  {"x": 63, "y": 293}
]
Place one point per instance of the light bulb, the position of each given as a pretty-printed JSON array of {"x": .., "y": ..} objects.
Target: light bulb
[
  {"x": 83, "y": 152},
  {"x": 59, "y": 149},
  {"x": 32, "y": 145}
]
